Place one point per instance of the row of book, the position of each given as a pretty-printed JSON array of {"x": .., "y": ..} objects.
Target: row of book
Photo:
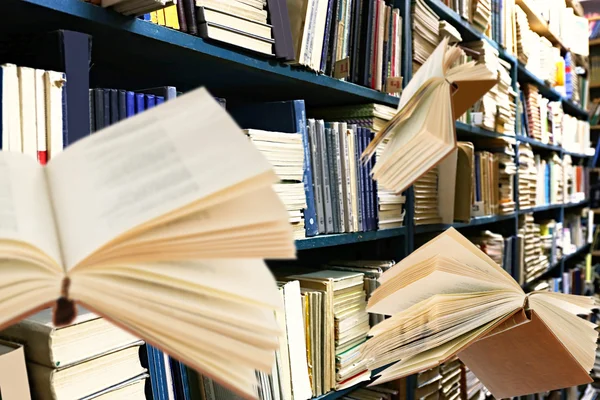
[
  {"x": 545, "y": 121},
  {"x": 32, "y": 115},
  {"x": 360, "y": 42}
]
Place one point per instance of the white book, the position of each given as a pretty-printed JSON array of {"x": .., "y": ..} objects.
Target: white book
[
  {"x": 11, "y": 114},
  {"x": 28, "y": 114},
  {"x": 40, "y": 113},
  {"x": 55, "y": 82}
]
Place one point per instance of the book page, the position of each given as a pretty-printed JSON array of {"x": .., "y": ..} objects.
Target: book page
[
  {"x": 143, "y": 168},
  {"x": 25, "y": 210}
]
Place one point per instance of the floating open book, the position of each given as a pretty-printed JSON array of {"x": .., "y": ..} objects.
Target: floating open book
[
  {"x": 449, "y": 298},
  {"x": 158, "y": 223},
  {"x": 422, "y": 133}
]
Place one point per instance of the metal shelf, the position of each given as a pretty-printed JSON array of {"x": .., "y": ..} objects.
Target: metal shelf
[
  {"x": 347, "y": 238},
  {"x": 476, "y": 221},
  {"x": 131, "y": 53}
]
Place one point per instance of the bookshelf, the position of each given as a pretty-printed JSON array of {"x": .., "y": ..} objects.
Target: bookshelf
[{"x": 170, "y": 57}]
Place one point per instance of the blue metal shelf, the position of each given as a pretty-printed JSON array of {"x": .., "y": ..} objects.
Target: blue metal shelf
[
  {"x": 132, "y": 53},
  {"x": 578, "y": 155},
  {"x": 578, "y": 204},
  {"x": 461, "y": 127},
  {"x": 543, "y": 208},
  {"x": 538, "y": 144},
  {"x": 577, "y": 253},
  {"x": 574, "y": 109},
  {"x": 347, "y": 238},
  {"x": 476, "y": 221},
  {"x": 557, "y": 266}
]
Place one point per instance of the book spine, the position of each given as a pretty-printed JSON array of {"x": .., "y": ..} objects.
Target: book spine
[
  {"x": 339, "y": 176},
  {"x": 130, "y": 103},
  {"x": 114, "y": 106},
  {"x": 374, "y": 193},
  {"x": 325, "y": 178},
  {"x": 367, "y": 185},
  {"x": 181, "y": 17},
  {"x": 98, "y": 109},
  {"x": 326, "y": 37},
  {"x": 106, "y": 107},
  {"x": 311, "y": 226},
  {"x": 332, "y": 178},
  {"x": 347, "y": 180},
  {"x": 357, "y": 153},
  {"x": 92, "y": 110},
  {"x": 122, "y": 105},
  {"x": 317, "y": 174}
]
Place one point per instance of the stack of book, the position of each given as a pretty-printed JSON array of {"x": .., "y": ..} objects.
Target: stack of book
[
  {"x": 527, "y": 177},
  {"x": 379, "y": 392},
  {"x": 535, "y": 262},
  {"x": 474, "y": 389},
  {"x": 425, "y": 32},
  {"x": 550, "y": 180},
  {"x": 285, "y": 152},
  {"x": 32, "y": 118},
  {"x": 523, "y": 36},
  {"x": 574, "y": 233},
  {"x": 507, "y": 169},
  {"x": 503, "y": 30},
  {"x": 428, "y": 384},
  {"x": 372, "y": 270},
  {"x": 451, "y": 377},
  {"x": 89, "y": 358},
  {"x": 548, "y": 61},
  {"x": 482, "y": 14},
  {"x": 533, "y": 111},
  {"x": 427, "y": 199},
  {"x": 346, "y": 194},
  {"x": 555, "y": 115}
]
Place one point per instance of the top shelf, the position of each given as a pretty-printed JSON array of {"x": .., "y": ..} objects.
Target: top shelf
[{"x": 132, "y": 53}]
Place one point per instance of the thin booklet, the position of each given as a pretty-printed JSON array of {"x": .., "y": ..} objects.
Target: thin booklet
[
  {"x": 422, "y": 133},
  {"x": 160, "y": 224},
  {"x": 449, "y": 298}
]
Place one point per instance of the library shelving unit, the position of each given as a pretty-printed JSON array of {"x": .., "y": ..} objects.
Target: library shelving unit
[{"x": 130, "y": 52}]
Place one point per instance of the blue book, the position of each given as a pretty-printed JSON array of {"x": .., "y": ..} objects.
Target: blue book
[
  {"x": 130, "y": 104},
  {"x": 149, "y": 361},
  {"x": 368, "y": 211},
  {"x": 283, "y": 116},
  {"x": 114, "y": 105},
  {"x": 150, "y": 101},
  {"x": 106, "y": 106},
  {"x": 122, "y": 105},
  {"x": 159, "y": 100},
  {"x": 139, "y": 103}
]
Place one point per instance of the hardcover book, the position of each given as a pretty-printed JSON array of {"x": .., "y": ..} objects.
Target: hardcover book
[
  {"x": 449, "y": 298},
  {"x": 135, "y": 224},
  {"x": 418, "y": 139}
]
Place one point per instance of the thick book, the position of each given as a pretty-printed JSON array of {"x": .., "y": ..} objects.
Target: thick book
[
  {"x": 516, "y": 343},
  {"x": 286, "y": 116},
  {"x": 422, "y": 133},
  {"x": 49, "y": 345},
  {"x": 166, "y": 237}
]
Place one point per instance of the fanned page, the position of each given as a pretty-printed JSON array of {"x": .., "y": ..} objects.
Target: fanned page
[
  {"x": 27, "y": 226},
  {"x": 174, "y": 160}
]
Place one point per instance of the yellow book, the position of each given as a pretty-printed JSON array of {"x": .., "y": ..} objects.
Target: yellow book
[
  {"x": 160, "y": 15},
  {"x": 154, "y": 17},
  {"x": 171, "y": 18},
  {"x": 588, "y": 267}
]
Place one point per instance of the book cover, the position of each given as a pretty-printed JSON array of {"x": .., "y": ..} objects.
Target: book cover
[
  {"x": 282, "y": 33},
  {"x": 114, "y": 106}
]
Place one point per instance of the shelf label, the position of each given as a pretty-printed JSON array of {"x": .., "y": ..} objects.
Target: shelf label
[
  {"x": 393, "y": 84},
  {"x": 342, "y": 68}
]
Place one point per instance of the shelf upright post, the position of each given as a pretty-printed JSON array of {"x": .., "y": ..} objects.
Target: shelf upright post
[
  {"x": 406, "y": 13},
  {"x": 518, "y": 126}
]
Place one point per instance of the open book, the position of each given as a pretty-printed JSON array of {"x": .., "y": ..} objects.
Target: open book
[
  {"x": 422, "y": 133},
  {"x": 449, "y": 298},
  {"x": 158, "y": 223}
]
